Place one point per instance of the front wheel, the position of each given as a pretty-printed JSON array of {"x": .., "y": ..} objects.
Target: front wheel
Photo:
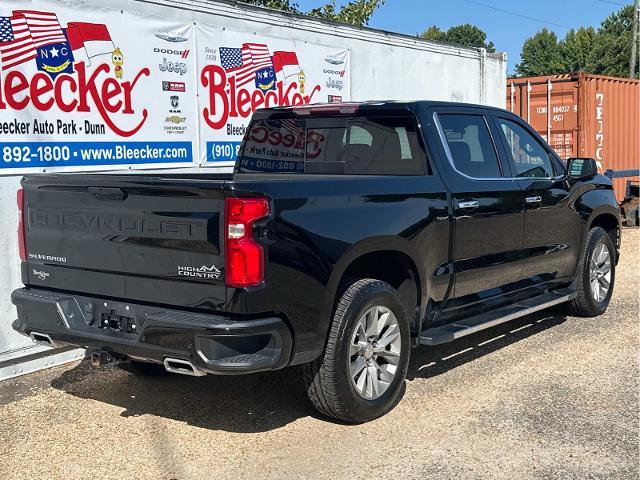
[
  {"x": 596, "y": 276},
  {"x": 361, "y": 375}
]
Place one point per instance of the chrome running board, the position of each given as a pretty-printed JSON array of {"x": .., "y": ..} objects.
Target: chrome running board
[{"x": 460, "y": 328}]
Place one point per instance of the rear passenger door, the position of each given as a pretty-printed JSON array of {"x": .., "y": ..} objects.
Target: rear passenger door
[
  {"x": 487, "y": 203},
  {"x": 552, "y": 229}
]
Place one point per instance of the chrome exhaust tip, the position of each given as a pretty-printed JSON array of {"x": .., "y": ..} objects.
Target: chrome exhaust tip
[
  {"x": 42, "y": 339},
  {"x": 184, "y": 367}
]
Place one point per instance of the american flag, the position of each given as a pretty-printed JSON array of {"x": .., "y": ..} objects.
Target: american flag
[
  {"x": 44, "y": 26},
  {"x": 245, "y": 62},
  {"x": 16, "y": 43}
]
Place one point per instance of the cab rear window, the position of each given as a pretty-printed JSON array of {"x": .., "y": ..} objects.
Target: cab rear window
[{"x": 384, "y": 145}]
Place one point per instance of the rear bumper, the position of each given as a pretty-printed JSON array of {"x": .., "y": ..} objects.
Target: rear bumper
[{"x": 211, "y": 343}]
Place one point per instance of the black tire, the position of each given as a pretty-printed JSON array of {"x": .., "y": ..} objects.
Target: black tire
[
  {"x": 585, "y": 305},
  {"x": 144, "y": 369},
  {"x": 327, "y": 379}
]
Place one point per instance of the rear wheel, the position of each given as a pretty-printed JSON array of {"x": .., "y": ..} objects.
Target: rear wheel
[
  {"x": 361, "y": 374},
  {"x": 596, "y": 276},
  {"x": 145, "y": 369}
]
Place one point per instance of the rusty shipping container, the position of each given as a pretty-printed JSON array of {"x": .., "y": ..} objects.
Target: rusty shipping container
[{"x": 583, "y": 115}]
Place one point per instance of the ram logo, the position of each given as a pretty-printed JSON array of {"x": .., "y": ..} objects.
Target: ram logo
[{"x": 205, "y": 272}]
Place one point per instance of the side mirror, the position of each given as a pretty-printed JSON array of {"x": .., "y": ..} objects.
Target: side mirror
[{"x": 582, "y": 168}]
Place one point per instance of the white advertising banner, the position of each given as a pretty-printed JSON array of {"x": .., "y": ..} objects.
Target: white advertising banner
[
  {"x": 241, "y": 72},
  {"x": 85, "y": 88},
  {"x": 92, "y": 88}
]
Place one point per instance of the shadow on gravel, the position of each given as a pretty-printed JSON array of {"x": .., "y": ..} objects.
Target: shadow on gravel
[
  {"x": 263, "y": 401},
  {"x": 252, "y": 403},
  {"x": 427, "y": 362}
]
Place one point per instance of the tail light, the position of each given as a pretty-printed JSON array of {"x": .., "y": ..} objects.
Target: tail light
[
  {"x": 244, "y": 256},
  {"x": 21, "y": 242}
]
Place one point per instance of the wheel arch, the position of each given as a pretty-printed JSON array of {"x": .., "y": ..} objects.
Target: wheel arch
[
  {"x": 599, "y": 208},
  {"x": 389, "y": 259},
  {"x": 610, "y": 223}
]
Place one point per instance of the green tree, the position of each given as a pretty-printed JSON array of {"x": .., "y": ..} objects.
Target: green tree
[
  {"x": 467, "y": 35},
  {"x": 356, "y": 12},
  {"x": 434, "y": 33},
  {"x": 576, "y": 49},
  {"x": 541, "y": 55},
  {"x": 604, "y": 51},
  {"x": 611, "y": 51}
]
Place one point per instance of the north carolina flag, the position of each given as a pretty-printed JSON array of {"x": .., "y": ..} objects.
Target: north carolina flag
[
  {"x": 285, "y": 64},
  {"x": 94, "y": 38}
]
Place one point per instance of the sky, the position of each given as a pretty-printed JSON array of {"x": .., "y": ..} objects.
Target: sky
[{"x": 507, "y": 32}]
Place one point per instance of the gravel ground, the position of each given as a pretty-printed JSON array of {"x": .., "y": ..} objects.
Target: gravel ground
[{"x": 542, "y": 397}]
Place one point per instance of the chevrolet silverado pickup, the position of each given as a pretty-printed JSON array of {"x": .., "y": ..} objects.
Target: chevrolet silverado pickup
[{"x": 346, "y": 235}]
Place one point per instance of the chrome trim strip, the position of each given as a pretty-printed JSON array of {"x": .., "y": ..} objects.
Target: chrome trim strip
[
  {"x": 445, "y": 144},
  {"x": 469, "y": 204}
]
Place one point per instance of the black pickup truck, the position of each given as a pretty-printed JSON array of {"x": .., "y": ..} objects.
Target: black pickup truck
[{"x": 347, "y": 234}]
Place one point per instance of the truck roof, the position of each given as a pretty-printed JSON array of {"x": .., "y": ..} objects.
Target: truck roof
[{"x": 371, "y": 106}]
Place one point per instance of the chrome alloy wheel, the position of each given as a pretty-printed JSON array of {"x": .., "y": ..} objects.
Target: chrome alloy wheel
[
  {"x": 374, "y": 352},
  {"x": 600, "y": 272}
]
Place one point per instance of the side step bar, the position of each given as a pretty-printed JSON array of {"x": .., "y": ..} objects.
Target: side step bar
[{"x": 452, "y": 331}]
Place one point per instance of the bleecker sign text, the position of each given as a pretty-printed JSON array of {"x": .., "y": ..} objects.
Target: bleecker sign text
[
  {"x": 227, "y": 100},
  {"x": 70, "y": 94}
]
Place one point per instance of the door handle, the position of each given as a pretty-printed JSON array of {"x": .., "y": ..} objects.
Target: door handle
[
  {"x": 533, "y": 199},
  {"x": 469, "y": 204}
]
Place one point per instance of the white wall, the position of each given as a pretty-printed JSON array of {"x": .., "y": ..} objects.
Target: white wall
[{"x": 385, "y": 66}]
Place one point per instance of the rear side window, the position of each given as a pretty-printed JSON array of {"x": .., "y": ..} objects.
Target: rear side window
[
  {"x": 470, "y": 144},
  {"x": 334, "y": 145}
]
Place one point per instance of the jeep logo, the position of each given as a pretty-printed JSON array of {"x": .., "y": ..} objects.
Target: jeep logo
[{"x": 177, "y": 67}]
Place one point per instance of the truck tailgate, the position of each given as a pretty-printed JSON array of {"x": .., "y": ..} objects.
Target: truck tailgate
[{"x": 153, "y": 239}]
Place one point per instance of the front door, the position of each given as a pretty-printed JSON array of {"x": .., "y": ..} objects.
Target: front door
[
  {"x": 552, "y": 229},
  {"x": 486, "y": 202}
]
